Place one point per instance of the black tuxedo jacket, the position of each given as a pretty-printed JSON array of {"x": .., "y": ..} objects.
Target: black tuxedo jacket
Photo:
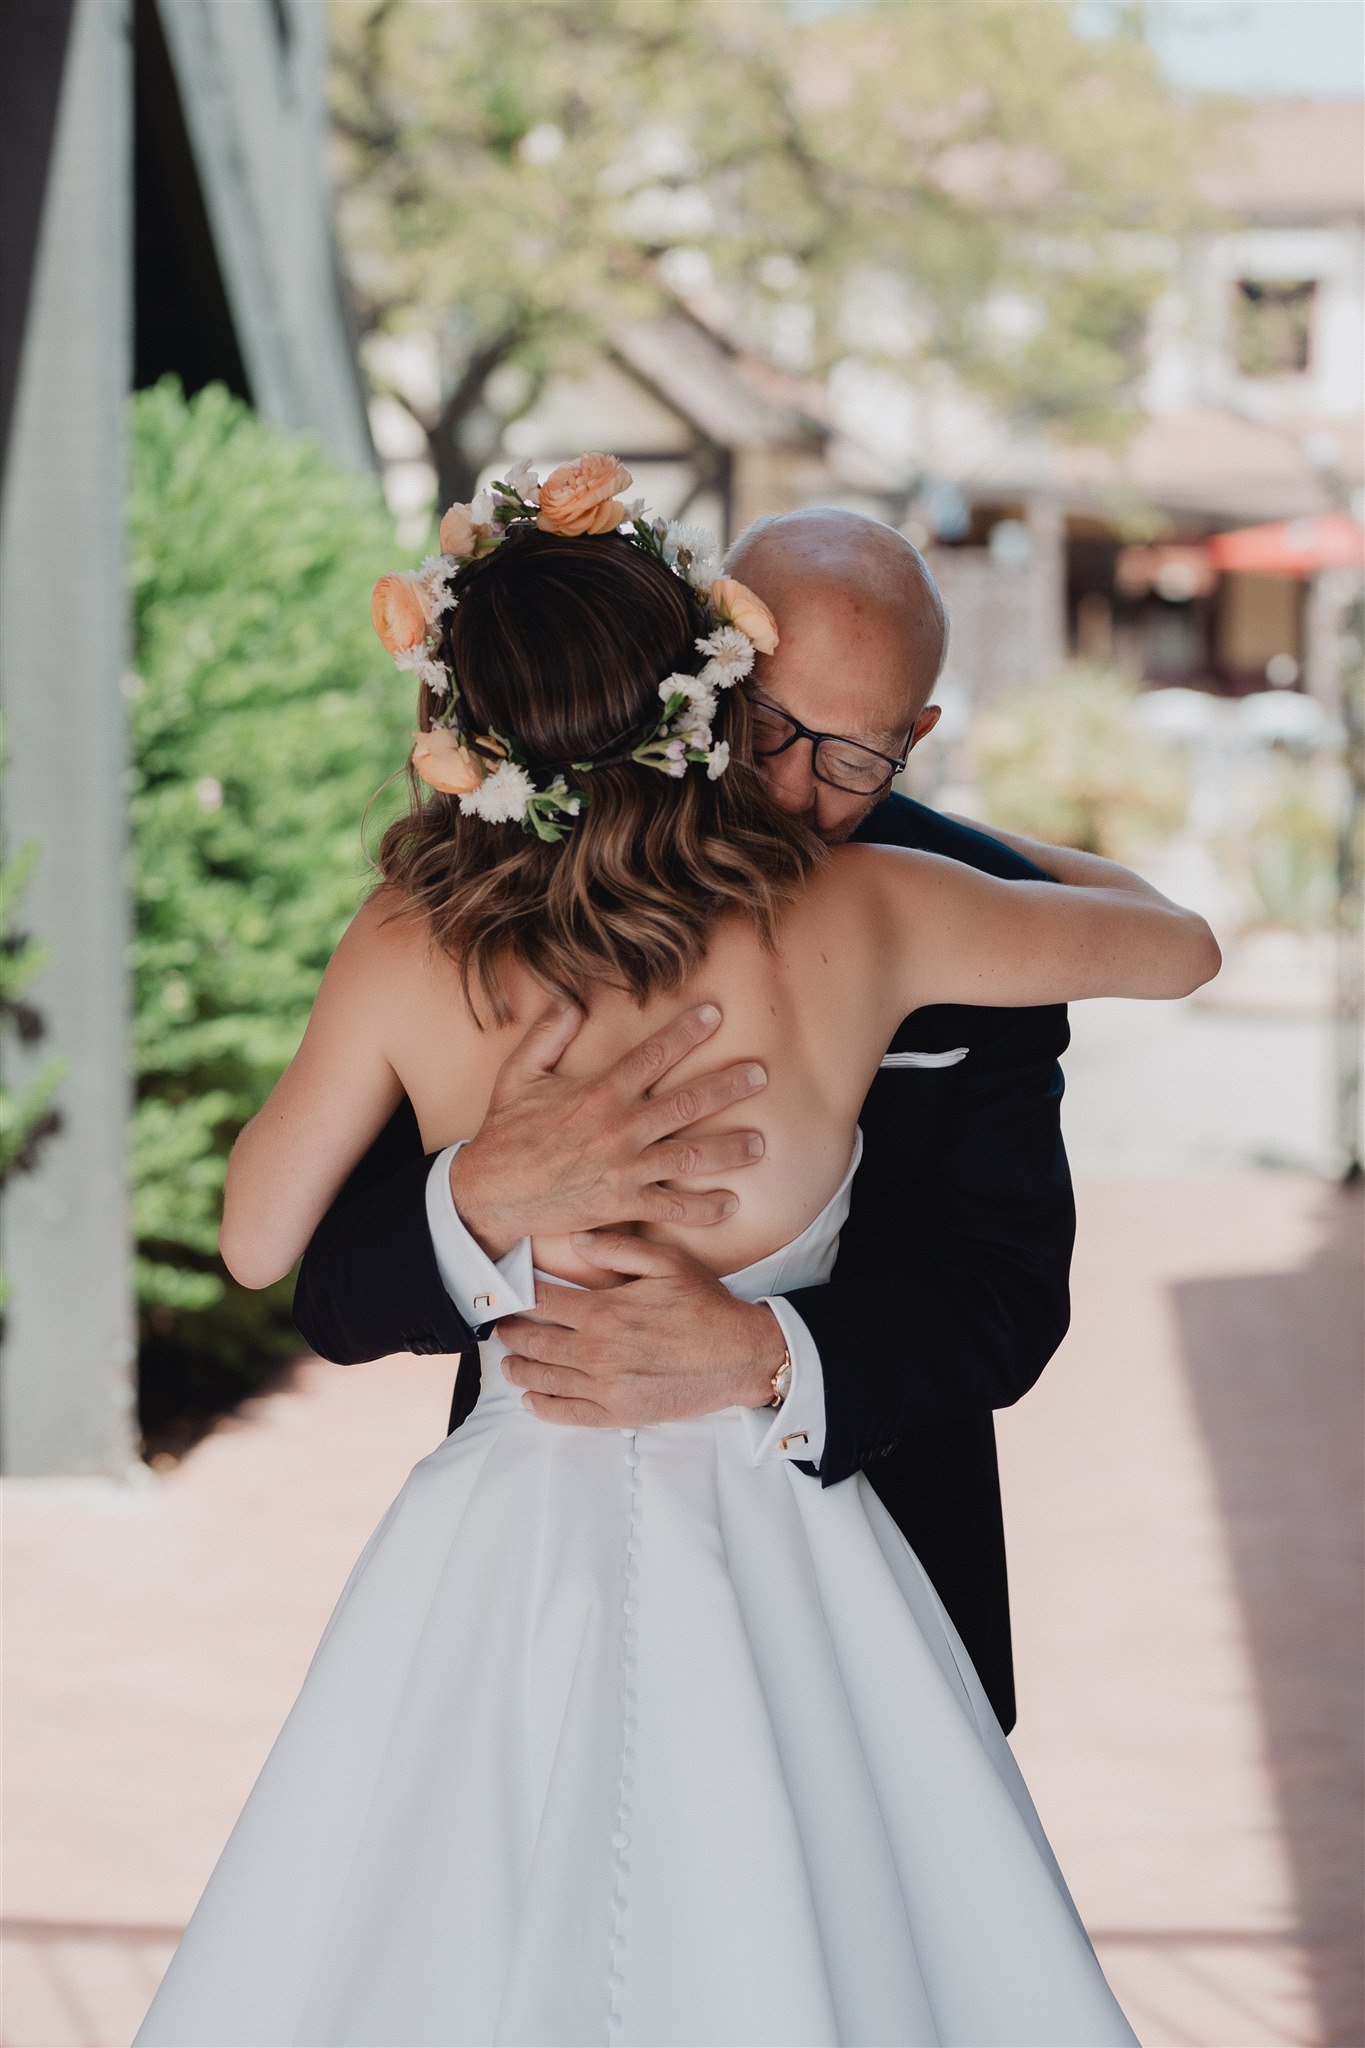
[{"x": 948, "y": 1297}]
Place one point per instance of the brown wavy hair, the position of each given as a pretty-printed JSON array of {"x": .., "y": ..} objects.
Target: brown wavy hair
[{"x": 563, "y": 643}]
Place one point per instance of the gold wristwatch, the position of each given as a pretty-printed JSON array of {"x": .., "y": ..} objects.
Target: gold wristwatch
[{"x": 782, "y": 1380}]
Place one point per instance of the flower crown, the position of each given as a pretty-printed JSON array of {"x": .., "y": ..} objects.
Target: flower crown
[{"x": 489, "y": 772}]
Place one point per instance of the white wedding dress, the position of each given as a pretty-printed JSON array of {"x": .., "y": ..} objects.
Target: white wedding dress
[{"x": 620, "y": 1736}]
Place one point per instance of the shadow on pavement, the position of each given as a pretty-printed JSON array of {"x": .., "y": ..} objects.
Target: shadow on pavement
[{"x": 1274, "y": 1367}]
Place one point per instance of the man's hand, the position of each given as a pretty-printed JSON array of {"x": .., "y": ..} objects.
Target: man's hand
[
  {"x": 667, "y": 1344},
  {"x": 554, "y": 1155}
]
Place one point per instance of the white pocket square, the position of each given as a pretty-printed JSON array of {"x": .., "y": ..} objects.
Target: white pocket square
[{"x": 925, "y": 1059}]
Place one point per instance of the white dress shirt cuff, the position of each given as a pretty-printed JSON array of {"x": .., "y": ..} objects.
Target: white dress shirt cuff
[
  {"x": 797, "y": 1429},
  {"x": 482, "y": 1288}
]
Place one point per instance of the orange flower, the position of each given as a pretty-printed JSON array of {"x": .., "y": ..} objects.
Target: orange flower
[
  {"x": 457, "y": 534},
  {"x": 580, "y": 497},
  {"x": 736, "y": 605},
  {"x": 444, "y": 764},
  {"x": 398, "y": 614}
]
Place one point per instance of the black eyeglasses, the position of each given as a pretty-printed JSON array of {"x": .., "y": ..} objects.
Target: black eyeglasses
[{"x": 842, "y": 763}]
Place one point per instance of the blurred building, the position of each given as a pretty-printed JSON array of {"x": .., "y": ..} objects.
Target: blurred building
[
  {"x": 1254, "y": 412},
  {"x": 166, "y": 209},
  {"x": 711, "y": 430}
]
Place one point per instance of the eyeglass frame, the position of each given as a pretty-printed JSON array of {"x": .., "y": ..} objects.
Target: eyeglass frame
[{"x": 803, "y": 732}]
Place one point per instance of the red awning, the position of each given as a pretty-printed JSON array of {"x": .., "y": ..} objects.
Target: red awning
[{"x": 1292, "y": 547}]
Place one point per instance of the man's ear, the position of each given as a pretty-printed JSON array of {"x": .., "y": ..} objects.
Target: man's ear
[{"x": 925, "y": 723}]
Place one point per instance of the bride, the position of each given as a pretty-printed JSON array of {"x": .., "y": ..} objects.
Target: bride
[{"x": 632, "y": 1735}]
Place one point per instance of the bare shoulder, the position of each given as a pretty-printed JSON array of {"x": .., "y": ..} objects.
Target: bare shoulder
[
  {"x": 387, "y": 929},
  {"x": 872, "y": 882},
  {"x": 383, "y": 955},
  {"x": 845, "y": 916}
]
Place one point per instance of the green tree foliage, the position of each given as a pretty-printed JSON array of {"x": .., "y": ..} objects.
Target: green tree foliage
[
  {"x": 1066, "y": 760},
  {"x": 517, "y": 180},
  {"x": 264, "y": 718}
]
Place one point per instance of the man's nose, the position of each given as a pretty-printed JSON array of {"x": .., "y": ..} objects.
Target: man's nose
[{"x": 789, "y": 777}]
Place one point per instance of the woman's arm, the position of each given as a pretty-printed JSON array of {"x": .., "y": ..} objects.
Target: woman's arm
[
  {"x": 334, "y": 1097},
  {"x": 957, "y": 935}
]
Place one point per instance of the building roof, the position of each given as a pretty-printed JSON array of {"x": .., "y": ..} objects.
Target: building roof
[
  {"x": 712, "y": 384},
  {"x": 1301, "y": 160},
  {"x": 1215, "y": 466}
]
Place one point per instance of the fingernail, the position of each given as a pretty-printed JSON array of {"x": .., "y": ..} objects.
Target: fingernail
[
  {"x": 581, "y": 1237},
  {"x": 754, "y": 1147},
  {"x": 756, "y": 1077},
  {"x": 709, "y": 1014},
  {"x": 729, "y": 1205}
]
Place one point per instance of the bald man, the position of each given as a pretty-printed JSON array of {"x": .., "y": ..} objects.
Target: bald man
[{"x": 950, "y": 1292}]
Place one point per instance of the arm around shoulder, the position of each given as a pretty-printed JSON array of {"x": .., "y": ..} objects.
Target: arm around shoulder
[{"x": 957, "y": 935}]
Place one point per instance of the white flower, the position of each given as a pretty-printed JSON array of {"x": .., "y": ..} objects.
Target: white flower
[
  {"x": 695, "y": 690},
  {"x": 718, "y": 760},
  {"x": 502, "y": 797},
  {"x": 694, "y": 550},
  {"x": 731, "y": 656},
  {"x": 522, "y": 479},
  {"x": 482, "y": 508},
  {"x": 434, "y": 580},
  {"x": 418, "y": 661},
  {"x": 697, "y": 732},
  {"x": 635, "y": 508}
]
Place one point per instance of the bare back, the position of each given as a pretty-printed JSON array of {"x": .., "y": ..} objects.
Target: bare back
[{"x": 817, "y": 1014}]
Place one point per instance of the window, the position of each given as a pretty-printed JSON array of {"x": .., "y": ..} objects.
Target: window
[{"x": 1273, "y": 326}]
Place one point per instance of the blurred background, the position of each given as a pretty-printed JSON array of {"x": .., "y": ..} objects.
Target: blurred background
[{"x": 1071, "y": 294}]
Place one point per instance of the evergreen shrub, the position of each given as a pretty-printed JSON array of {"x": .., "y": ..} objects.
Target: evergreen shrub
[{"x": 264, "y": 718}]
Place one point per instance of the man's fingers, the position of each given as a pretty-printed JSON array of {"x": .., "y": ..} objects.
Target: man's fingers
[
  {"x": 700, "y": 1097},
  {"x": 683, "y": 1158},
  {"x": 675, "y": 1205},
  {"x": 567, "y": 1305},
  {"x": 551, "y": 1343},
  {"x": 582, "y": 1414},
  {"x": 539, "y": 1048},
  {"x": 621, "y": 1252},
  {"x": 637, "y": 1069},
  {"x": 561, "y": 1380}
]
